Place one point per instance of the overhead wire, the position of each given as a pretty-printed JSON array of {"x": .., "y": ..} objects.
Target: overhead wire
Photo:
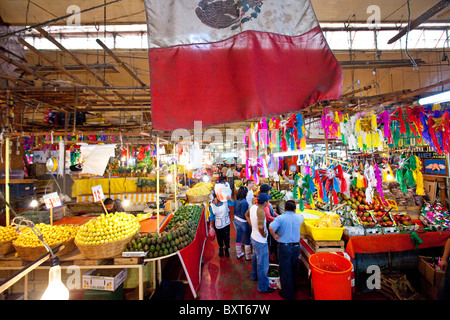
[{"x": 407, "y": 35}]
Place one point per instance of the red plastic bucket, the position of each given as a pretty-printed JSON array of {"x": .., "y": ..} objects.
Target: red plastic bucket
[{"x": 331, "y": 276}]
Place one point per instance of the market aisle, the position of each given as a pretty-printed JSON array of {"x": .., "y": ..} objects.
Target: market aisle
[{"x": 229, "y": 278}]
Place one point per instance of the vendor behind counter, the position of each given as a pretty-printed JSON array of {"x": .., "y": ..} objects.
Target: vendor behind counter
[{"x": 113, "y": 205}]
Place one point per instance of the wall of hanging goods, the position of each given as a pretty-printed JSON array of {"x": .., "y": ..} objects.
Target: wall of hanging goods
[{"x": 365, "y": 166}]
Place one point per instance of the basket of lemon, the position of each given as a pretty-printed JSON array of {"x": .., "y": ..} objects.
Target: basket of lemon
[
  {"x": 200, "y": 192},
  {"x": 30, "y": 248},
  {"x": 107, "y": 235},
  {"x": 7, "y": 235}
]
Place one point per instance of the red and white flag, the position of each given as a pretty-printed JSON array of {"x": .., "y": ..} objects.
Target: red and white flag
[{"x": 221, "y": 61}]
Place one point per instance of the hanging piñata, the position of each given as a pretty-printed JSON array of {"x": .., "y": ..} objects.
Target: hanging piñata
[{"x": 330, "y": 180}]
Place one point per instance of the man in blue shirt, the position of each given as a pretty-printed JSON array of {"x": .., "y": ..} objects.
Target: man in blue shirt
[{"x": 286, "y": 230}]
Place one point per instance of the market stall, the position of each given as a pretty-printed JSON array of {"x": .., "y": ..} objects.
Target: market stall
[
  {"x": 395, "y": 242},
  {"x": 140, "y": 241},
  {"x": 188, "y": 228},
  {"x": 380, "y": 188}
]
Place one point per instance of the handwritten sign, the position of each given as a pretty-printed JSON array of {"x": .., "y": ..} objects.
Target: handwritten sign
[
  {"x": 52, "y": 200},
  {"x": 97, "y": 191}
]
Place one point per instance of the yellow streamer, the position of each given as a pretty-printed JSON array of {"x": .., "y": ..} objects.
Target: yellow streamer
[
  {"x": 360, "y": 181},
  {"x": 360, "y": 142},
  {"x": 417, "y": 174}
]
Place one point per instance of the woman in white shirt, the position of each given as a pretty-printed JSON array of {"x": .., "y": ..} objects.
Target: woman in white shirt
[{"x": 220, "y": 217}]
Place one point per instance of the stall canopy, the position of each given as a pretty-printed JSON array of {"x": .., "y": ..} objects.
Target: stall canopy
[{"x": 251, "y": 60}]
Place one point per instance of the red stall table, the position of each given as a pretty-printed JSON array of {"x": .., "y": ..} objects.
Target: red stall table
[{"x": 393, "y": 242}]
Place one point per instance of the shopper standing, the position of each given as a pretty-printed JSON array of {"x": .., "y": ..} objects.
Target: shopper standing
[
  {"x": 241, "y": 225},
  {"x": 286, "y": 230},
  {"x": 224, "y": 170},
  {"x": 220, "y": 217},
  {"x": 270, "y": 216},
  {"x": 270, "y": 213},
  {"x": 250, "y": 194},
  {"x": 260, "y": 259},
  {"x": 230, "y": 177}
]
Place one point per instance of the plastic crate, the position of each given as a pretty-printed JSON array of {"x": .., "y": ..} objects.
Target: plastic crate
[
  {"x": 308, "y": 216},
  {"x": 324, "y": 234}
]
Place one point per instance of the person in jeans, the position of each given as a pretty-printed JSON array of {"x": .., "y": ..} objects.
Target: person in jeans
[
  {"x": 286, "y": 230},
  {"x": 241, "y": 225},
  {"x": 270, "y": 216},
  {"x": 260, "y": 259},
  {"x": 230, "y": 177}
]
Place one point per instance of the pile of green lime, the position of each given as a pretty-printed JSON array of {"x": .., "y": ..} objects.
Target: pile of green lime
[{"x": 178, "y": 234}]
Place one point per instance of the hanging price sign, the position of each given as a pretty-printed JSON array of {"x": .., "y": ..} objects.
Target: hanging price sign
[
  {"x": 52, "y": 200},
  {"x": 97, "y": 191}
]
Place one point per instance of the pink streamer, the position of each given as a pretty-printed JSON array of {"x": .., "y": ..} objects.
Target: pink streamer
[
  {"x": 385, "y": 119},
  {"x": 248, "y": 169},
  {"x": 379, "y": 180}
]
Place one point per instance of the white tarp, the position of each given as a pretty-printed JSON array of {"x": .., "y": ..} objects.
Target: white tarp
[
  {"x": 96, "y": 157},
  {"x": 196, "y": 156}
]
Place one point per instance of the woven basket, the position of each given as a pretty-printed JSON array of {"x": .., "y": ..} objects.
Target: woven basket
[
  {"x": 197, "y": 199},
  {"x": 6, "y": 247},
  {"x": 33, "y": 253},
  {"x": 104, "y": 250}
]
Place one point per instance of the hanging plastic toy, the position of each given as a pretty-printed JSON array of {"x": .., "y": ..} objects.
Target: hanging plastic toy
[
  {"x": 331, "y": 180},
  {"x": 409, "y": 173}
]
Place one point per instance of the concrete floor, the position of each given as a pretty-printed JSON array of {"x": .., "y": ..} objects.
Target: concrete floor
[{"x": 229, "y": 278}]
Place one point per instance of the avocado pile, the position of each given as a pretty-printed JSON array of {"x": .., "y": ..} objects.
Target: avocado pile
[
  {"x": 178, "y": 233},
  {"x": 276, "y": 195}
]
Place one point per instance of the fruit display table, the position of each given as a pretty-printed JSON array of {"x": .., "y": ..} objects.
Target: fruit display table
[
  {"x": 13, "y": 264},
  {"x": 139, "y": 198},
  {"x": 147, "y": 225},
  {"x": 393, "y": 242},
  {"x": 190, "y": 256}
]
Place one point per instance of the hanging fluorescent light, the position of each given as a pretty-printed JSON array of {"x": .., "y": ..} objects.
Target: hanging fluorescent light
[
  {"x": 56, "y": 290},
  {"x": 437, "y": 98},
  {"x": 126, "y": 202}
]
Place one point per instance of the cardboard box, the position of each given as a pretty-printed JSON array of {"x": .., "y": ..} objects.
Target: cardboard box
[
  {"x": 104, "y": 279},
  {"x": 430, "y": 280},
  {"x": 432, "y": 276}
]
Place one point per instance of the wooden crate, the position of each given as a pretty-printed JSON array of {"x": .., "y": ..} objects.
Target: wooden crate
[
  {"x": 326, "y": 246},
  {"x": 11, "y": 260},
  {"x": 77, "y": 259},
  {"x": 395, "y": 286}
]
